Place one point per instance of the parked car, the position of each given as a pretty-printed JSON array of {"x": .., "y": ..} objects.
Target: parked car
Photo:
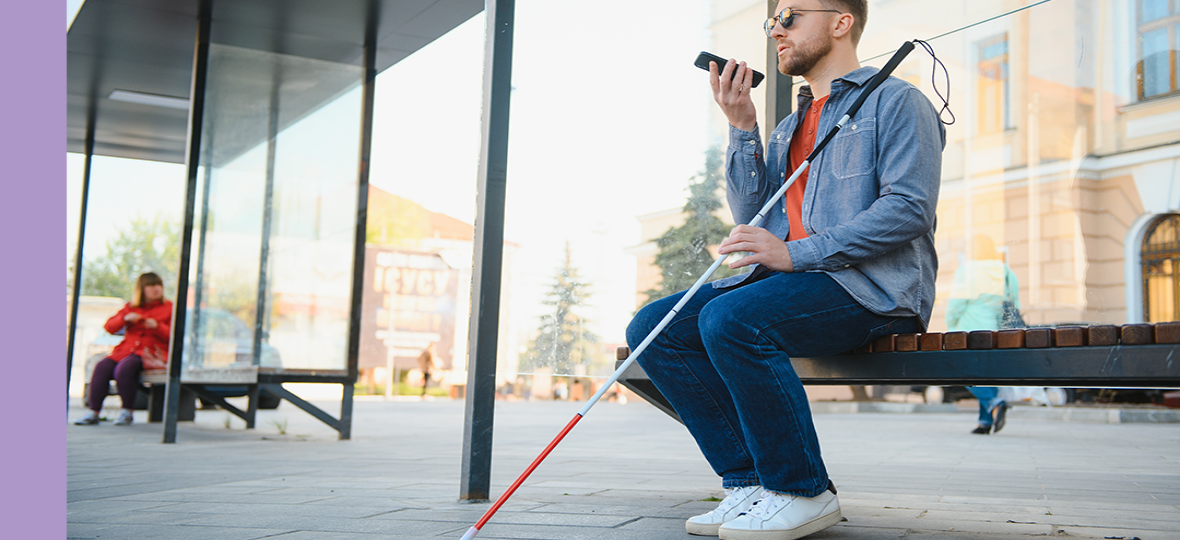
[{"x": 228, "y": 342}]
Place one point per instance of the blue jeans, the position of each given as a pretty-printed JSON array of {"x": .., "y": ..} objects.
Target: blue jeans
[
  {"x": 724, "y": 365},
  {"x": 989, "y": 398}
]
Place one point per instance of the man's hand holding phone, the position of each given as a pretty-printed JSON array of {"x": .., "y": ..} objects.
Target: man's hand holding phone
[{"x": 731, "y": 85}]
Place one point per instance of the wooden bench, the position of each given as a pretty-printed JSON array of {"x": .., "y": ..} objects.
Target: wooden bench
[{"x": 1098, "y": 356}]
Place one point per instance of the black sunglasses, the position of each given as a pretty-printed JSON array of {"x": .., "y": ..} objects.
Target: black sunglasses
[{"x": 786, "y": 17}]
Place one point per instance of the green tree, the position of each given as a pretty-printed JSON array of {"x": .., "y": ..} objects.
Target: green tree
[
  {"x": 143, "y": 246},
  {"x": 684, "y": 251},
  {"x": 562, "y": 341}
]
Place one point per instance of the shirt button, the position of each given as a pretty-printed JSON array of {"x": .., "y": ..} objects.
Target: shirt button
[
  {"x": 847, "y": 265},
  {"x": 751, "y": 141},
  {"x": 753, "y": 174}
]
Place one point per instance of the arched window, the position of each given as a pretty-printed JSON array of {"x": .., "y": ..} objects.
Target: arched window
[{"x": 1161, "y": 270}]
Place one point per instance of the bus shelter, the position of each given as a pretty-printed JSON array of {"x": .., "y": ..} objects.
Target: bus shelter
[{"x": 269, "y": 106}]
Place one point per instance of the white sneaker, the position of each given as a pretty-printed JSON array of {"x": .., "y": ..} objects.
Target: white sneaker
[
  {"x": 125, "y": 418},
  {"x": 737, "y": 500},
  {"x": 778, "y": 516}
]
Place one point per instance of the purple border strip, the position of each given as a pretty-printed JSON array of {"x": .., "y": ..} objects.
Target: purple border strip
[{"x": 32, "y": 154}]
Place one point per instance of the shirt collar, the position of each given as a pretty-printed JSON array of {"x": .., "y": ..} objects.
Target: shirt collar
[{"x": 858, "y": 77}]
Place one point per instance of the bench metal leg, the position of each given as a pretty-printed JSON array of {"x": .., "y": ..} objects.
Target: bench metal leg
[
  {"x": 205, "y": 394},
  {"x": 156, "y": 404},
  {"x": 343, "y": 425},
  {"x": 252, "y": 407}
]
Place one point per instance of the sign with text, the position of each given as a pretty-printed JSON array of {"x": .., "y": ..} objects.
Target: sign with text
[{"x": 409, "y": 305}]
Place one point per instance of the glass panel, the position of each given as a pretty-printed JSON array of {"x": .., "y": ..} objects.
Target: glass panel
[
  {"x": 1161, "y": 253},
  {"x": 276, "y": 212},
  {"x": 592, "y": 148},
  {"x": 1157, "y": 78},
  {"x": 1150, "y": 10},
  {"x": 135, "y": 209},
  {"x": 420, "y": 231}
]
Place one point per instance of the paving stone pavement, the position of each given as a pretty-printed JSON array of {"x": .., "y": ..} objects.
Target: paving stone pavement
[{"x": 626, "y": 472}]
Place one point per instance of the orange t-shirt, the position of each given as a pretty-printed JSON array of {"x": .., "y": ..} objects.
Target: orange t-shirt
[{"x": 801, "y": 145}]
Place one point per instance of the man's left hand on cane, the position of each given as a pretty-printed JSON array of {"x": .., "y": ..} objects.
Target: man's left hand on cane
[{"x": 762, "y": 246}]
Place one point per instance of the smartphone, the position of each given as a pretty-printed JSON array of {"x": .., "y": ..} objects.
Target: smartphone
[{"x": 703, "y": 62}]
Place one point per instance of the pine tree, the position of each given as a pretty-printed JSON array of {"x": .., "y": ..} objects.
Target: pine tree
[
  {"x": 562, "y": 341},
  {"x": 683, "y": 251}
]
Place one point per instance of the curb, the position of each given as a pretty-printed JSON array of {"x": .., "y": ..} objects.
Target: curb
[{"x": 1091, "y": 415}]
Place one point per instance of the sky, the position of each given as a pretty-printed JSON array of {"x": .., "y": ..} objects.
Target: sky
[{"x": 608, "y": 122}]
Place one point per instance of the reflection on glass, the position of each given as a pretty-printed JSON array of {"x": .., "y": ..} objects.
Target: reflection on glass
[
  {"x": 276, "y": 212},
  {"x": 1161, "y": 270}
]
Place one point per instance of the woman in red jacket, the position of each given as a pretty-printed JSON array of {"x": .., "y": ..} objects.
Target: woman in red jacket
[{"x": 146, "y": 322}]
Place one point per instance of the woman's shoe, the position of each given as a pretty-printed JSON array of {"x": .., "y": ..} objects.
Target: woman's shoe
[
  {"x": 1001, "y": 416},
  {"x": 125, "y": 418},
  {"x": 982, "y": 430},
  {"x": 90, "y": 419}
]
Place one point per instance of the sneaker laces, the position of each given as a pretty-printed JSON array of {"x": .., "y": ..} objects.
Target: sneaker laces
[
  {"x": 733, "y": 497},
  {"x": 769, "y": 504}
]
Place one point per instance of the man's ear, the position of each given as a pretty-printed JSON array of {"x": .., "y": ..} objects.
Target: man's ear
[{"x": 842, "y": 25}]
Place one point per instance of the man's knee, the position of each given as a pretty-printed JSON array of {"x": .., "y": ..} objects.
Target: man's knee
[
  {"x": 718, "y": 321},
  {"x": 642, "y": 324}
]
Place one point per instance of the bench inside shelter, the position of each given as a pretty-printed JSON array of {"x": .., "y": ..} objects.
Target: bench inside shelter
[
  {"x": 199, "y": 384},
  {"x": 1097, "y": 356}
]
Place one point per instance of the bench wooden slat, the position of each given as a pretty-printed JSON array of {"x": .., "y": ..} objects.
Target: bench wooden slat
[
  {"x": 930, "y": 342},
  {"x": 884, "y": 343},
  {"x": 1071, "y": 336},
  {"x": 1010, "y": 339},
  {"x": 980, "y": 339},
  {"x": 1135, "y": 334},
  {"x": 1102, "y": 335},
  {"x": 1038, "y": 338},
  {"x": 954, "y": 341},
  {"x": 906, "y": 342},
  {"x": 1167, "y": 332}
]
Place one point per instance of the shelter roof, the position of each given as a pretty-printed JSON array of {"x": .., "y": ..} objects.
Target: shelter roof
[{"x": 145, "y": 47}]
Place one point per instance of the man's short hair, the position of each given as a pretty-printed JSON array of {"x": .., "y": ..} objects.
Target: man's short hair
[{"x": 860, "y": 14}]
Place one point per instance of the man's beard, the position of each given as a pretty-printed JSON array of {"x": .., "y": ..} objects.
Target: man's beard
[{"x": 804, "y": 56}]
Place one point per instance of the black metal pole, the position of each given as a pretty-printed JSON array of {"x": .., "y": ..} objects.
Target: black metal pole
[
  {"x": 778, "y": 86},
  {"x": 261, "y": 310},
  {"x": 475, "y": 476},
  {"x": 194, "y": 330},
  {"x": 362, "y": 216},
  {"x": 76, "y": 293},
  {"x": 196, "y": 114}
]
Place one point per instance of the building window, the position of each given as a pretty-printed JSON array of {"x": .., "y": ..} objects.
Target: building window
[
  {"x": 1161, "y": 270},
  {"x": 992, "y": 88},
  {"x": 1158, "y": 24}
]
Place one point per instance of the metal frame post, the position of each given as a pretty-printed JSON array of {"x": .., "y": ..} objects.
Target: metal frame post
[
  {"x": 362, "y": 217},
  {"x": 196, "y": 114},
  {"x": 76, "y": 293},
  {"x": 261, "y": 309},
  {"x": 479, "y": 408},
  {"x": 778, "y": 86}
]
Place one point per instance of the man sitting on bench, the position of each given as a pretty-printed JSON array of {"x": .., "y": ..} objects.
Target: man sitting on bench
[{"x": 858, "y": 262}]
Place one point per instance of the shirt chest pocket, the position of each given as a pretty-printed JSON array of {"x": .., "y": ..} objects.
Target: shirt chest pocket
[
  {"x": 776, "y": 152},
  {"x": 853, "y": 152}
]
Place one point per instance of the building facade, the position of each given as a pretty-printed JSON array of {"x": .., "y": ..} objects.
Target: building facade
[{"x": 1064, "y": 148}]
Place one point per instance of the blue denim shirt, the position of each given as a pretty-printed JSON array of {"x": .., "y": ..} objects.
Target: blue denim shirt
[{"x": 869, "y": 204}]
